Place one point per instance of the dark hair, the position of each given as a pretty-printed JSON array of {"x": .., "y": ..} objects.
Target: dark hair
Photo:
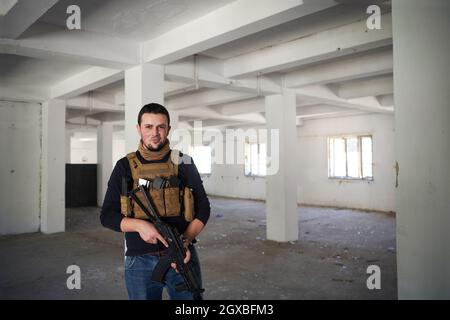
[{"x": 153, "y": 108}]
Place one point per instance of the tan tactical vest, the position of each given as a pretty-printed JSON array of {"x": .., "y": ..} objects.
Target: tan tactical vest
[{"x": 169, "y": 201}]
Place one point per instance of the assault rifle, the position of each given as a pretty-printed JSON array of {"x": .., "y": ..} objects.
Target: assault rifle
[{"x": 175, "y": 252}]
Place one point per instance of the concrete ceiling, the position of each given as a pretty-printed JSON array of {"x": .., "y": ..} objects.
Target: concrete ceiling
[
  {"x": 295, "y": 29},
  {"x": 31, "y": 71},
  {"x": 6, "y": 5},
  {"x": 221, "y": 57},
  {"x": 137, "y": 20}
]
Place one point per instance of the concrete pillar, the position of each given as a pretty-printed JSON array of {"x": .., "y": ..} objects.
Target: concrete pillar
[
  {"x": 143, "y": 84},
  {"x": 53, "y": 214},
  {"x": 174, "y": 118},
  {"x": 67, "y": 146},
  {"x": 281, "y": 187},
  {"x": 422, "y": 134},
  {"x": 104, "y": 159}
]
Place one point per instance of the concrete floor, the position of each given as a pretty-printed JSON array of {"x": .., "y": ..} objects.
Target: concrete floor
[{"x": 329, "y": 261}]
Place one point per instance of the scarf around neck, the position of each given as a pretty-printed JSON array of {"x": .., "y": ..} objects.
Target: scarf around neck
[{"x": 154, "y": 155}]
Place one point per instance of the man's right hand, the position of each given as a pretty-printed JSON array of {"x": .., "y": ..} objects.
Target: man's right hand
[
  {"x": 147, "y": 230},
  {"x": 150, "y": 234}
]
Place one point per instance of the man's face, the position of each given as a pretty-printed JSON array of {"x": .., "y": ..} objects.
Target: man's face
[{"x": 153, "y": 130}]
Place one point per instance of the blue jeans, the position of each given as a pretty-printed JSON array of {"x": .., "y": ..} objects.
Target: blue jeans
[{"x": 138, "y": 272}]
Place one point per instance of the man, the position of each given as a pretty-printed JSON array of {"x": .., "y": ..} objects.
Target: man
[{"x": 144, "y": 244}]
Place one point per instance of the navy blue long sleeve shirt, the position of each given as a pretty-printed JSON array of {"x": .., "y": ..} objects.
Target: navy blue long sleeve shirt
[{"x": 111, "y": 217}]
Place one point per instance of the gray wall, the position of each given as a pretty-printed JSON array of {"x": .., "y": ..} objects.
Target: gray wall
[
  {"x": 314, "y": 187},
  {"x": 20, "y": 144}
]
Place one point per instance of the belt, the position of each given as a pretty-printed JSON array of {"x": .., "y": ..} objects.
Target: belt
[
  {"x": 157, "y": 253},
  {"x": 161, "y": 253}
]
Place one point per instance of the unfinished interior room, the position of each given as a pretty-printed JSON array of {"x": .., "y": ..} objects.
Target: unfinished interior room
[{"x": 319, "y": 130}]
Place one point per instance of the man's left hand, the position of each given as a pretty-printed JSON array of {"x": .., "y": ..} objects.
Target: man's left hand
[{"x": 186, "y": 259}]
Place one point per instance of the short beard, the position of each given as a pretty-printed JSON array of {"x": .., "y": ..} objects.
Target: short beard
[{"x": 160, "y": 146}]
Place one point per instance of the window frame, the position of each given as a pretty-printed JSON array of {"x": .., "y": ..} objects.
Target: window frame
[
  {"x": 359, "y": 138},
  {"x": 253, "y": 175},
  {"x": 192, "y": 152}
]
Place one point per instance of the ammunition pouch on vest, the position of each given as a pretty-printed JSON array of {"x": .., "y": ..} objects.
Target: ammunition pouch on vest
[{"x": 169, "y": 197}]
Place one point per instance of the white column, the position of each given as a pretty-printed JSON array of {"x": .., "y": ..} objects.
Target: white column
[
  {"x": 68, "y": 146},
  {"x": 143, "y": 84},
  {"x": 104, "y": 159},
  {"x": 281, "y": 187},
  {"x": 174, "y": 119},
  {"x": 422, "y": 134},
  {"x": 53, "y": 173}
]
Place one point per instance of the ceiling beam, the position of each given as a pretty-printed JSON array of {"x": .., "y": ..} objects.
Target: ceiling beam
[
  {"x": 364, "y": 87},
  {"x": 253, "y": 105},
  {"x": 86, "y": 102},
  {"x": 74, "y": 46},
  {"x": 205, "y": 72},
  {"x": 220, "y": 123},
  {"x": 184, "y": 76},
  {"x": 318, "y": 109},
  {"x": 331, "y": 114},
  {"x": 174, "y": 88},
  {"x": 386, "y": 100},
  {"x": 83, "y": 127},
  {"x": 6, "y": 6},
  {"x": 198, "y": 113},
  {"x": 324, "y": 95},
  {"x": 232, "y": 21},
  {"x": 76, "y": 113},
  {"x": 205, "y": 98},
  {"x": 348, "y": 68},
  {"x": 85, "y": 81},
  {"x": 209, "y": 113},
  {"x": 241, "y": 107},
  {"x": 21, "y": 16},
  {"x": 108, "y": 116},
  {"x": 324, "y": 45}
]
